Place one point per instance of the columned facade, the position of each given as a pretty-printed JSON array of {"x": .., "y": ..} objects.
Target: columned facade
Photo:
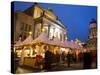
[{"x": 37, "y": 19}]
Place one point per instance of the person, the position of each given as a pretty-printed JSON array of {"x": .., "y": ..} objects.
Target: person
[
  {"x": 39, "y": 61},
  {"x": 48, "y": 59},
  {"x": 63, "y": 56},
  {"x": 87, "y": 59},
  {"x": 68, "y": 59},
  {"x": 74, "y": 57},
  {"x": 57, "y": 57},
  {"x": 80, "y": 56}
]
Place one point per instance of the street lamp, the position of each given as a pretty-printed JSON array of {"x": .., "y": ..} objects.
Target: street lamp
[
  {"x": 43, "y": 29},
  {"x": 30, "y": 33}
]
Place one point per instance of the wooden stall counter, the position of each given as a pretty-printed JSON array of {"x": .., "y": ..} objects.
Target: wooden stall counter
[{"x": 29, "y": 61}]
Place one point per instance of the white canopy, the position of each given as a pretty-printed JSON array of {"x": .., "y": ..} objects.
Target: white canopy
[
  {"x": 28, "y": 40},
  {"x": 42, "y": 38},
  {"x": 73, "y": 45},
  {"x": 65, "y": 44},
  {"x": 18, "y": 43},
  {"x": 56, "y": 41},
  {"x": 69, "y": 44}
]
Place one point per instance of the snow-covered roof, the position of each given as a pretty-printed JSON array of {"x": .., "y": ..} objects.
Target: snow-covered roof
[{"x": 42, "y": 38}]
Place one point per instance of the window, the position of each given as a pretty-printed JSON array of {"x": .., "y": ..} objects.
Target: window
[
  {"x": 24, "y": 36},
  {"x": 29, "y": 28},
  {"x": 22, "y": 26},
  {"x": 60, "y": 37},
  {"x": 25, "y": 27},
  {"x": 37, "y": 30},
  {"x": 51, "y": 33}
]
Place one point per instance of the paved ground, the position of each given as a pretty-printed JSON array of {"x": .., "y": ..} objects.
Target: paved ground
[{"x": 60, "y": 67}]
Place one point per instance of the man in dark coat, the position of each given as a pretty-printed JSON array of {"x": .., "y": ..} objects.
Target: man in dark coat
[
  {"x": 87, "y": 60},
  {"x": 48, "y": 60},
  {"x": 68, "y": 59},
  {"x": 63, "y": 56}
]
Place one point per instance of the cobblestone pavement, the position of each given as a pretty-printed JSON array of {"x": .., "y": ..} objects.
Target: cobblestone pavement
[{"x": 59, "y": 67}]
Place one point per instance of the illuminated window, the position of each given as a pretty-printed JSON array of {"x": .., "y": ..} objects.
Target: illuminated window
[
  {"x": 51, "y": 33},
  {"x": 61, "y": 37},
  {"x": 57, "y": 33},
  {"x": 45, "y": 29}
]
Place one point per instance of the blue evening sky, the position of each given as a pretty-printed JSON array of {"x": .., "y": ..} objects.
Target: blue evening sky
[{"x": 76, "y": 18}]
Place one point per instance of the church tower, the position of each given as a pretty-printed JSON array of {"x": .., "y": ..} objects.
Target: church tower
[{"x": 92, "y": 39}]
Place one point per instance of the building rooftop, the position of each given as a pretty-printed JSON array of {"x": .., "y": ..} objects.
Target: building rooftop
[{"x": 30, "y": 12}]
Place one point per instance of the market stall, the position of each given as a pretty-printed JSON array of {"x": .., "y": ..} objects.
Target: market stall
[
  {"x": 27, "y": 51},
  {"x": 34, "y": 49},
  {"x": 18, "y": 47}
]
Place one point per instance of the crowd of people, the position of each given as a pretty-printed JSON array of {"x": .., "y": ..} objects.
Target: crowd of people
[
  {"x": 86, "y": 58},
  {"x": 51, "y": 60}
]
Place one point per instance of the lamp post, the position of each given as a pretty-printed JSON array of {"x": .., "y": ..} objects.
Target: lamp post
[
  {"x": 30, "y": 33},
  {"x": 43, "y": 29}
]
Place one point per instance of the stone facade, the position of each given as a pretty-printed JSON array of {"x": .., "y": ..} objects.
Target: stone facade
[
  {"x": 37, "y": 19},
  {"x": 23, "y": 25}
]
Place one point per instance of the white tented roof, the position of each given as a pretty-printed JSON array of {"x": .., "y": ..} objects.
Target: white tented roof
[
  {"x": 56, "y": 41},
  {"x": 28, "y": 40},
  {"x": 73, "y": 45},
  {"x": 66, "y": 44},
  {"x": 18, "y": 43},
  {"x": 69, "y": 44},
  {"x": 42, "y": 38}
]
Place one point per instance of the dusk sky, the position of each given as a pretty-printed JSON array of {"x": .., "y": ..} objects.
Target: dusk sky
[{"x": 76, "y": 18}]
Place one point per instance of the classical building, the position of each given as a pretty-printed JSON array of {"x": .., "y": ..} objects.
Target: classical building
[
  {"x": 92, "y": 39},
  {"x": 36, "y": 19}
]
